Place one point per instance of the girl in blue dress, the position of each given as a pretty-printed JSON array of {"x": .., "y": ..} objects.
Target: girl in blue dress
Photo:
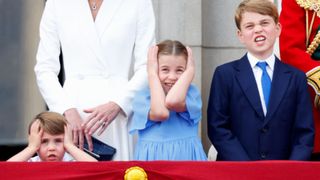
[{"x": 167, "y": 113}]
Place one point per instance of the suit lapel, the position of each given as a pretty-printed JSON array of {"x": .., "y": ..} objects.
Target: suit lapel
[
  {"x": 280, "y": 81},
  {"x": 106, "y": 13},
  {"x": 248, "y": 84}
]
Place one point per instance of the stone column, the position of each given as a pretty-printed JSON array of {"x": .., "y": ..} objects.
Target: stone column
[
  {"x": 181, "y": 20},
  {"x": 33, "y": 102},
  {"x": 20, "y": 99},
  {"x": 219, "y": 45}
]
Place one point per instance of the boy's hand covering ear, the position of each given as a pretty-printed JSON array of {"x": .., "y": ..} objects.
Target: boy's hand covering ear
[
  {"x": 35, "y": 135},
  {"x": 67, "y": 135}
]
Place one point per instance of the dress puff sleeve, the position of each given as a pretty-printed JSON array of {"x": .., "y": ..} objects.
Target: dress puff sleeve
[
  {"x": 141, "y": 108},
  {"x": 193, "y": 106}
]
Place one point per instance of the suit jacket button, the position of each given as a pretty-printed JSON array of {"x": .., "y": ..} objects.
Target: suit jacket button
[
  {"x": 264, "y": 130},
  {"x": 263, "y": 155}
]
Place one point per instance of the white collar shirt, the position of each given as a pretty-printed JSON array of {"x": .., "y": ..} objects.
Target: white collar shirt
[{"x": 258, "y": 74}]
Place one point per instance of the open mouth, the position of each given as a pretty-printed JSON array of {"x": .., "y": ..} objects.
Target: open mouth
[
  {"x": 169, "y": 84},
  {"x": 52, "y": 157},
  {"x": 260, "y": 39}
]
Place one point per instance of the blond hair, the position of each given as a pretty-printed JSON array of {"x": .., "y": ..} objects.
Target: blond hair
[
  {"x": 51, "y": 122},
  {"x": 264, "y": 7},
  {"x": 170, "y": 47}
]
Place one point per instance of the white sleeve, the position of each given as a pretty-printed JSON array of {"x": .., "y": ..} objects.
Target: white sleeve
[
  {"x": 48, "y": 65},
  {"x": 145, "y": 37}
]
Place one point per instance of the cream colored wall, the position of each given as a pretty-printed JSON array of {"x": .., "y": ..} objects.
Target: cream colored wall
[
  {"x": 20, "y": 99},
  {"x": 33, "y": 103}
]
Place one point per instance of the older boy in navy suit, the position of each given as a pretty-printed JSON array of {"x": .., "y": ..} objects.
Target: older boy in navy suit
[{"x": 259, "y": 108}]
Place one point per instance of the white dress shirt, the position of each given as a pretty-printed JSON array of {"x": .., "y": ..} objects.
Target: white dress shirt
[{"x": 258, "y": 74}]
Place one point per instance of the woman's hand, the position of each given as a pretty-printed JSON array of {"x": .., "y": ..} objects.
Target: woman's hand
[
  {"x": 100, "y": 117},
  {"x": 74, "y": 119}
]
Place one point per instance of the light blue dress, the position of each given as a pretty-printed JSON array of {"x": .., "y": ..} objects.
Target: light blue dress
[{"x": 173, "y": 139}]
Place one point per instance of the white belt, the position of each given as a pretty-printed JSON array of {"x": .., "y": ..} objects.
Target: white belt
[{"x": 91, "y": 76}]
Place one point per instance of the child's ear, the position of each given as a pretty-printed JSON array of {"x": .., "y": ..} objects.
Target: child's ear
[
  {"x": 279, "y": 28},
  {"x": 240, "y": 36}
]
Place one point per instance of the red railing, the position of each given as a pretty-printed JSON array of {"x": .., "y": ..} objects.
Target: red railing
[{"x": 162, "y": 170}]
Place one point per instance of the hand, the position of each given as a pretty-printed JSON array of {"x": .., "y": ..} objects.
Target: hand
[
  {"x": 67, "y": 137},
  {"x": 152, "y": 65},
  {"x": 74, "y": 119},
  {"x": 35, "y": 136},
  {"x": 100, "y": 117},
  {"x": 190, "y": 61}
]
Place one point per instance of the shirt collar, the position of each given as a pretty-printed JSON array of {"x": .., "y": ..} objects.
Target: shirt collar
[{"x": 269, "y": 60}]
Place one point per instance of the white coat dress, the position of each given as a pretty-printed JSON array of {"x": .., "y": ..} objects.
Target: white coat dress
[{"x": 97, "y": 56}]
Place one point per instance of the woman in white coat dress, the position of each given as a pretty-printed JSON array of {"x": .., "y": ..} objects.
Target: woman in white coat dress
[{"x": 101, "y": 41}]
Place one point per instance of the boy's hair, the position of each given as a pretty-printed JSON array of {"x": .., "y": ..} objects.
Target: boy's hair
[
  {"x": 170, "y": 47},
  {"x": 264, "y": 7},
  {"x": 51, "y": 122}
]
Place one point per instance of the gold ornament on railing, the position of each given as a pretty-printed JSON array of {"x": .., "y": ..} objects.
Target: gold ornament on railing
[{"x": 135, "y": 173}]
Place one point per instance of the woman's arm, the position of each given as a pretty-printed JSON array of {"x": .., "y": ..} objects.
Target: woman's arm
[
  {"x": 47, "y": 69},
  {"x": 145, "y": 37}
]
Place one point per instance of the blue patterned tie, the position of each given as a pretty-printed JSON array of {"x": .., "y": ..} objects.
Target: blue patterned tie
[{"x": 265, "y": 82}]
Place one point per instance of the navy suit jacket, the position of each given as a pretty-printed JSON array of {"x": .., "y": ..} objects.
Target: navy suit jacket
[{"x": 237, "y": 126}]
